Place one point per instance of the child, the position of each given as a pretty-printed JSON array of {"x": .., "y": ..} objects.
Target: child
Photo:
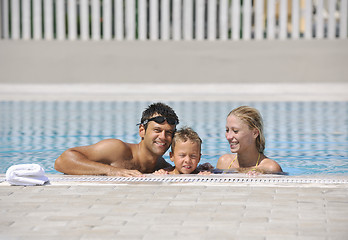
[{"x": 186, "y": 153}]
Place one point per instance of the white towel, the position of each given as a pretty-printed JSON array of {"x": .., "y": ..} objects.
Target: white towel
[{"x": 26, "y": 175}]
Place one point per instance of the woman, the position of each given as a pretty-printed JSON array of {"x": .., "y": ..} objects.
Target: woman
[{"x": 244, "y": 133}]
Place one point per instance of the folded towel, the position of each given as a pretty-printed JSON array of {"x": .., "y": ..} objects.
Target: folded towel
[{"x": 26, "y": 175}]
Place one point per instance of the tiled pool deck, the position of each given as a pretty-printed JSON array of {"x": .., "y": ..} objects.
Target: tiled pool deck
[{"x": 230, "y": 206}]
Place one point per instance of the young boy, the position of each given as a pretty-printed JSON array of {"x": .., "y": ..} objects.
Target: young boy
[{"x": 186, "y": 153}]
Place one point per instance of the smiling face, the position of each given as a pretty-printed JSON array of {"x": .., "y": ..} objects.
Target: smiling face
[
  {"x": 186, "y": 156},
  {"x": 239, "y": 135},
  {"x": 157, "y": 137}
]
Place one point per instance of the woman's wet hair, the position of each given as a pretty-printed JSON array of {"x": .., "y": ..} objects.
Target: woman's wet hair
[
  {"x": 252, "y": 117},
  {"x": 160, "y": 109}
]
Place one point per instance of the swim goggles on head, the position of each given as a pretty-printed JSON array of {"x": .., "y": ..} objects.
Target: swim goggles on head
[{"x": 161, "y": 119}]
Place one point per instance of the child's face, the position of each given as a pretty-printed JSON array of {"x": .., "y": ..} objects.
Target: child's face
[{"x": 186, "y": 156}]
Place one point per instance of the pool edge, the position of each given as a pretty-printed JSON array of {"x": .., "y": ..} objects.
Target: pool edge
[{"x": 215, "y": 179}]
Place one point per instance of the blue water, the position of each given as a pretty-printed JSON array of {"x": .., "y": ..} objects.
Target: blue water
[{"x": 304, "y": 137}]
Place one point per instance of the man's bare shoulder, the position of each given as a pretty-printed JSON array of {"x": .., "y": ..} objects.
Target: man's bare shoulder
[
  {"x": 112, "y": 149},
  {"x": 101, "y": 147},
  {"x": 112, "y": 142}
]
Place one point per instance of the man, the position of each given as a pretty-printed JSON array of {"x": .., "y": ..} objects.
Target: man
[{"x": 113, "y": 157}]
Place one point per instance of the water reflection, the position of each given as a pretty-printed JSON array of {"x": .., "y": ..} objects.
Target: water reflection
[{"x": 304, "y": 137}]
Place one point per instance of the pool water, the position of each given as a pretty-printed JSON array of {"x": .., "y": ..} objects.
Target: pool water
[{"x": 305, "y": 138}]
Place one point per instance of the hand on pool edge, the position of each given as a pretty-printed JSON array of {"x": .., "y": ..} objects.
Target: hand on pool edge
[
  {"x": 204, "y": 173},
  {"x": 253, "y": 173},
  {"x": 160, "y": 172},
  {"x": 126, "y": 173}
]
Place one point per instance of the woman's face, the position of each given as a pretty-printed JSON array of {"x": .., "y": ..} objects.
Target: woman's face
[{"x": 239, "y": 135}]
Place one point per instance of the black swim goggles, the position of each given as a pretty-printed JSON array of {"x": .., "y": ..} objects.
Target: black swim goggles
[{"x": 160, "y": 119}]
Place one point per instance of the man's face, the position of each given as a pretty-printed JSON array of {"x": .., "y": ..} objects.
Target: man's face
[{"x": 158, "y": 136}]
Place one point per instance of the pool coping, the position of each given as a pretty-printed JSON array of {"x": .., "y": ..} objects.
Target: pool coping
[
  {"x": 175, "y": 92},
  {"x": 235, "y": 179}
]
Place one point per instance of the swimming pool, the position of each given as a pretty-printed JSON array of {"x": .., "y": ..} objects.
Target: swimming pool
[{"x": 306, "y": 138}]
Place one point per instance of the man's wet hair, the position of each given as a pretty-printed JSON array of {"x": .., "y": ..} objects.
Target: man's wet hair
[{"x": 160, "y": 109}]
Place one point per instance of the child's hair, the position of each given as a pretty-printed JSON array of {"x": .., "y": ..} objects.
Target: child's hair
[
  {"x": 185, "y": 134},
  {"x": 252, "y": 117}
]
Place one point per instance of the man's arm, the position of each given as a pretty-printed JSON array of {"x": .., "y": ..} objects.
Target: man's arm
[{"x": 95, "y": 159}]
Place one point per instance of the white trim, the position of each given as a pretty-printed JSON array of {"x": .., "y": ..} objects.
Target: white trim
[{"x": 176, "y": 92}]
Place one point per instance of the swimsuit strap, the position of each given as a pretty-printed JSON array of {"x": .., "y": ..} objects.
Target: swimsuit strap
[
  {"x": 258, "y": 159},
  {"x": 229, "y": 166},
  {"x": 257, "y": 163}
]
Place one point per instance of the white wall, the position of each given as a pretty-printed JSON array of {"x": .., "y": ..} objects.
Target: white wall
[{"x": 173, "y": 62}]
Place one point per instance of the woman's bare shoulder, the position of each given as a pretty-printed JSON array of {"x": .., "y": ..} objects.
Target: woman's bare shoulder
[
  {"x": 225, "y": 160},
  {"x": 270, "y": 166}
]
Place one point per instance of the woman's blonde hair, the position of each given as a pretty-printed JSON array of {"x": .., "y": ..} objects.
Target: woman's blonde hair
[{"x": 252, "y": 117}]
